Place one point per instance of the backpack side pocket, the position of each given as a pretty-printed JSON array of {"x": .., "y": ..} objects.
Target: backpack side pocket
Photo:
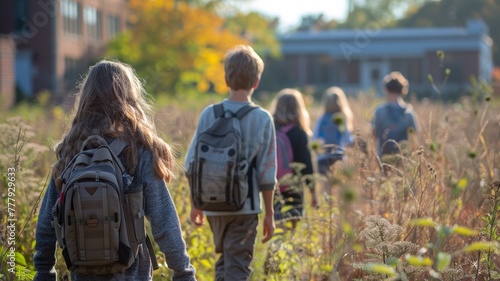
[
  {"x": 242, "y": 188},
  {"x": 192, "y": 181},
  {"x": 57, "y": 217},
  {"x": 135, "y": 200}
]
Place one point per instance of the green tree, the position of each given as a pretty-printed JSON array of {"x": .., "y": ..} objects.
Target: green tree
[
  {"x": 360, "y": 17},
  {"x": 175, "y": 46},
  {"x": 456, "y": 13},
  {"x": 316, "y": 22},
  {"x": 257, "y": 29},
  {"x": 383, "y": 13}
]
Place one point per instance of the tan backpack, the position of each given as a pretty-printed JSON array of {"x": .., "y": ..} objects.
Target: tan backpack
[{"x": 99, "y": 217}]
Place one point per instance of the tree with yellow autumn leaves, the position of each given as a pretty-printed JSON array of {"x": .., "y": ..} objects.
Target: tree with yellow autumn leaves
[{"x": 179, "y": 46}]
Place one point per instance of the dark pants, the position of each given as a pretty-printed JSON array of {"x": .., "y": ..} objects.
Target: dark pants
[
  {"x": 293, "y": 199},
  {"x": 324, "y": 163}
]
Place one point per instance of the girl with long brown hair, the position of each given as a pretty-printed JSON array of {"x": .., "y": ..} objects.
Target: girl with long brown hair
[{"x": 112, "y": 103}]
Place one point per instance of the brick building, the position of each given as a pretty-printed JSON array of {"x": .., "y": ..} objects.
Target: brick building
[
  {"x": 57, "y": 40},
  {"x": 7, "y": 79},
  {"x": 358, "y": 59}
]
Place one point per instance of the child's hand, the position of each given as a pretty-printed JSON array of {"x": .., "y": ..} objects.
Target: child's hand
[
  {"x": 196, "y": 216},
  {"x": 268, "y": 227}
]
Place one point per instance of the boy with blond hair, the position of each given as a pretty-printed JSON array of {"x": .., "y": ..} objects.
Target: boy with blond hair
[{"x": 235, "y": 232}]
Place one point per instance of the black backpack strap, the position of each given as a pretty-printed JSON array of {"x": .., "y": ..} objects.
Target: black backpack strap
[
  {"x": 244, "y": 110},
  {"x": 218, "y": 110},
  {"x": 117, "y": 146},
  {"x": 151, "y": 251},
  {"x": 253, "y": 165}
]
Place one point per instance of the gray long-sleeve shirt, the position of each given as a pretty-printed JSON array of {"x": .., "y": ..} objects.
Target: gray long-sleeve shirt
[
  {"x": 259, "y": 142},
  {"x": 159, "y": 210}
]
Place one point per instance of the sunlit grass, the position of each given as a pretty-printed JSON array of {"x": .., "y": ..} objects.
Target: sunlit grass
[{"x": 445, "y": 173}]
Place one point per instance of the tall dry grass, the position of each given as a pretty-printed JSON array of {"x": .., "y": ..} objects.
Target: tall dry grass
[{"x": 394, "y": 218}]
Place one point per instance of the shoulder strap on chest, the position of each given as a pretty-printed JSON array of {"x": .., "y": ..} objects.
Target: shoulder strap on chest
[
  {"x": 218, "y": 110},
  {"x": 117, "y": 146},
  {"x": 285, "y": 129},
  {"x": 244, "y": 110}
]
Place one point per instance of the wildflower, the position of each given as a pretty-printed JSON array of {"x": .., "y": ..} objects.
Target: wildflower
[
  {"x": 440, "y": 54},
  {"x": 338, "y": 119},
  {"x": 433, "y": 146},
  {"x": 316, "y": 146},
  {"x": 349, "y": 195},
  {"x": 472, "y": 154}
]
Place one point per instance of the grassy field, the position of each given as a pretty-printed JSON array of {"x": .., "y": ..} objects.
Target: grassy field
[{"x": 428, "y": 214}]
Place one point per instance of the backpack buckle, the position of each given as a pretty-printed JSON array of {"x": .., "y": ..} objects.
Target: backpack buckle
[{"x": 92, "y": 222}]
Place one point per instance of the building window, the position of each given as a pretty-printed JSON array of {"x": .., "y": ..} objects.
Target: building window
[
  {"x": 321, "y": 69},
  {"x": 71, "y": 12},
  {"x": 72, "y": 70},
  {"x": 375, "y": 74},
  {"x": 93, "y": 23},
  {"x": 349, "y": 72},
  {"x": 21, "y": 14},
  {"x": 411, "y": 68},
  {"x": 113, "y": 26},
  {"x": 415, "y": 72},
  {"x": 456, "y": 74}
]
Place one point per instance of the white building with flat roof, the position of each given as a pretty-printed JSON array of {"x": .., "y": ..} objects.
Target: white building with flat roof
[{"x": 358, "y": 59}]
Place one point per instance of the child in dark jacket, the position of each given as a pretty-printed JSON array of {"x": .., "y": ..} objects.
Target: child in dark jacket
[{"x": 292, "y": 119}]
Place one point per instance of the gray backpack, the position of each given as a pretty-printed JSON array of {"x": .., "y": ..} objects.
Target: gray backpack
[
  {"x": 99, "y": 217},
  {"x": 395, "y": 125},
  {"x": 220, "y": 177}
]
